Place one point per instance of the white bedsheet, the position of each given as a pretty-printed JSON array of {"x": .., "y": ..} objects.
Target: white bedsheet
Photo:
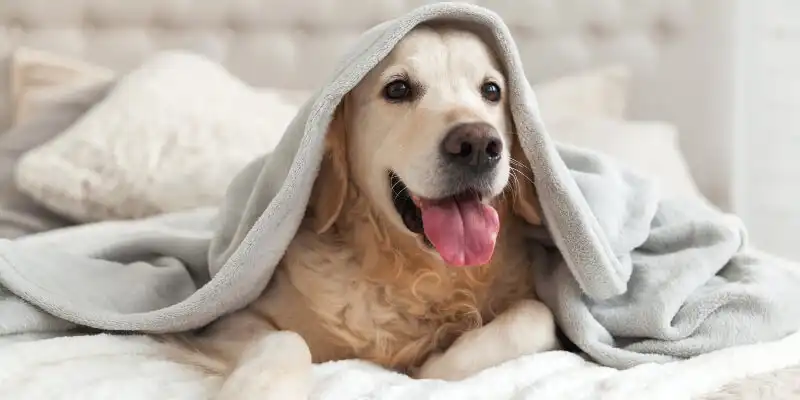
[{"x": 106, "y": 367}]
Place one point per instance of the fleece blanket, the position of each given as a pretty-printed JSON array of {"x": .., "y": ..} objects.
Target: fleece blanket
[{"x": 632, "y": 275}]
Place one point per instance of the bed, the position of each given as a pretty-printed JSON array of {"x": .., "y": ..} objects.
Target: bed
[{"x": 678, "y": 80}]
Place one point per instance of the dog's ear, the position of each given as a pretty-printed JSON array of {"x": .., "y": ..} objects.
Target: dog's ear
[
  {"x": 525, "y": 202},
  {"x": 330, "y": 188}
]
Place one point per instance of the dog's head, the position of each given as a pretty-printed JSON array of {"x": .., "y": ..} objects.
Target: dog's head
[{"x": 427, "y": 137}]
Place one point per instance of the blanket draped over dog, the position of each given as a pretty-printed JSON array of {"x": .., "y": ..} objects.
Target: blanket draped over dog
[{"x": 631, "y": 274}]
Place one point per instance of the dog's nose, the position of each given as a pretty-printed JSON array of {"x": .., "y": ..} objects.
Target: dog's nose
[{"x": 473, "y": 145}]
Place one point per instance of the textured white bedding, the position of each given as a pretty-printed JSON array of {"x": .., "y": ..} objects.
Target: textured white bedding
[{"x": 134, "y": 368}]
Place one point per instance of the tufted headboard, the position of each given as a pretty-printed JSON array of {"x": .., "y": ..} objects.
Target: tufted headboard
[{"x": 682, "y": 51}]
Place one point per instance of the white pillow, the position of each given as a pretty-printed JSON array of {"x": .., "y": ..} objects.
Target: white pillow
[
  {"x": 169, "y": 137},
  {"x": 173, "y": 133},
  {"x": 648, "y": 147},
  {"x": 598, "y": 93}
]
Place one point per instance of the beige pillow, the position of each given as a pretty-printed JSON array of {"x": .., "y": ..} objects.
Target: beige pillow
[
  {"x": 42, "y": 115},
  {"x": 159, "y": 142},
  {"x": 38, "y": 76}
]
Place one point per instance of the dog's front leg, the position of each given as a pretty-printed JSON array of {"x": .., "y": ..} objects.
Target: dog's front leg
[
  {"x": 275, "y": 367},
  {"x": 528, "y": 327}
]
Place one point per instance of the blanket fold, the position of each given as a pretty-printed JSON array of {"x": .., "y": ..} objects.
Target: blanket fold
[{"x": 632, "y": 275}]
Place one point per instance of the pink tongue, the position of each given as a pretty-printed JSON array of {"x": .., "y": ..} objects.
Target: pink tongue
[{"x": 464, "y": 231}]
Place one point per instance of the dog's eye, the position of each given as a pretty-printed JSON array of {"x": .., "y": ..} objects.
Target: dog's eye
[
  {"x": 397, "y": 91},
  {"x": 491, "y": 92}
]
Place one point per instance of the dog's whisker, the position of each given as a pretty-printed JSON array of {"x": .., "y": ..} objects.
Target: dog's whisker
[
  {"x": 521, "y": 172},
  {"x": 515, "y": 172},
  {"x": 518, "y": 171},
  {"x": 396, "y": 195},
  {"x": 394, "y": 186},
  {"x": 516, "y": 179},
  {"x": 519, "y": 164},
  {"x": 400, "y": 193},
  {"x": 514, "y": 183}
]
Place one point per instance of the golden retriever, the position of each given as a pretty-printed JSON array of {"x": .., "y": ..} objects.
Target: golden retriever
[{"x": 409, "y": 255}]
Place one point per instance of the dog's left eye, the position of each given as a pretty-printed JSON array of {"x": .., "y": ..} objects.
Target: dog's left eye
[{"x": 491, "y": 92}]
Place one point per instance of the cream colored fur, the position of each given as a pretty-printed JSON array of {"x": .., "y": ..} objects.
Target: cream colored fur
[{"x": 355, "y": 283}]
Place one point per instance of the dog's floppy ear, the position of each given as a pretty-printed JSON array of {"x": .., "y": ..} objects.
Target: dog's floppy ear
[
  {"x": 330, "y": 188},
  {"x": 525, "y": 202}
]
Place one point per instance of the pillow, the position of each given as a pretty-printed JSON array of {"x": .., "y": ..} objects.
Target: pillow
[
  {"x": 37, "y": 76},
  {"x": 39, "y": 115},
  {"x": 598, "y": 93},
  {"x": 45, "y": 119},
  {"x": 649, "y": 147},
  {"x": 160, "y": 142}
]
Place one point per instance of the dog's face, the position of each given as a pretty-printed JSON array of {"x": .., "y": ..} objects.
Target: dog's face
[
  {"x": 428, "y": 141},
  {"x": 434, "y": 113}
]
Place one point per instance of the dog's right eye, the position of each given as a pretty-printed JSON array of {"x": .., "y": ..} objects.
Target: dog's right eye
[{"x": 397, "y": 91}]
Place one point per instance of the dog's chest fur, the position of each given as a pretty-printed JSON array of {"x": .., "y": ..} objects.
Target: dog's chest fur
[{"x": 385, "y": 300}]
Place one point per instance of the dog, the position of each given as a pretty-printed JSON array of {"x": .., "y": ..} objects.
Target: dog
[{"x": 410, "y": 253}]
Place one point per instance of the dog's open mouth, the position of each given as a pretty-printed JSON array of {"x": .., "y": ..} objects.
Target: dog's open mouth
[{"x": 462, "y": 228}]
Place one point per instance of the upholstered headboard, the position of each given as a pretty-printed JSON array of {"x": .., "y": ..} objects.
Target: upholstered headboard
[{"x": 681, "y": 51}]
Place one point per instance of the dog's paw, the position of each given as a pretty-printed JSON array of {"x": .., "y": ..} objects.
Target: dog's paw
[
  {"x": 285, "y": 345},
  {"x": 437, "y": 366},
  {"x": 526, "y": 328},
  {"x": 278, "y": 366}
]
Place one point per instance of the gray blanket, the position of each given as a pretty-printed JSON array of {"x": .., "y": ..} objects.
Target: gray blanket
[{"x": 631, "y": 274}]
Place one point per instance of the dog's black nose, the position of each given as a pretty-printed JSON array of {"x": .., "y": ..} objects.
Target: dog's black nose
[{"x": 476, "y": 146}]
